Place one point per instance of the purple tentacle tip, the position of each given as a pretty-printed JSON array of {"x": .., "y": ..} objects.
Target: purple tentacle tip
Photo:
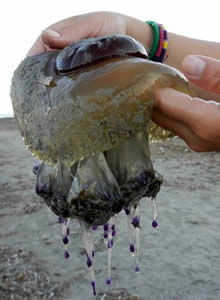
[
  {"x": 132, "y": 249},
  {"x": 154, "y": 224},
  {"x": 110, "y": 243},
  {"x": 105, "y": 235},
  {"x": 93, "y": 287},
  {"x": 66, "y": 254},
  {"x": 113, "y": 227},
  {"x": 127, "y": 211},
  {"x": 113, "y": 233},
  {"x": 67, "y": 231},
  {"x": 137, "y": 269},
  {"x": 94, "y": 227},
  {"x": 35, "y": 168},
  {"x": 89, "y": 262},
  {"x": 136, "y": 221},
  {"x": 108, "y": 281},
  {"x": 61, "y": 220},
  {"x": 105, "y": 227},
  {"x": 65, "y": 240}
]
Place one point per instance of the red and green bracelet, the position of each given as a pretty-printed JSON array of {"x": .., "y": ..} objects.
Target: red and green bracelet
[{"x": 160, "y": 42}]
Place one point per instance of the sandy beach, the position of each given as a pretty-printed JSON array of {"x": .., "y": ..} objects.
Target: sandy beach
[{"x": 180, "y": 260}]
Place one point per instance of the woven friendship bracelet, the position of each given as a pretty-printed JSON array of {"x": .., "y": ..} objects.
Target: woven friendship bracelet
[
  {"x": 160, "y": 42},
  {"x": 156, "y": 39}
]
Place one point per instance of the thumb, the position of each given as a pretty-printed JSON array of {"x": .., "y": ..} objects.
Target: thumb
[
  {"x": 203, "y": 71},
  {"x": 54, "y": 39}
]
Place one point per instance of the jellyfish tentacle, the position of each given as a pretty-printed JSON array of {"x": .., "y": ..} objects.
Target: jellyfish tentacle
[
  {"x": 93, "y": 284},
  {"x": 65, "y": 234},
  {"x": 105, "y": 234},
  {"x": 154, "y": 205},
  {"x": 113, "y": 228},
  {"x": 90, "y": 234},
  {"x": 110, "y": 243},
  {"x": 129, "y": 214},
  {"x": 136, "y": 225},
  {"x": 88, "y": 243}
]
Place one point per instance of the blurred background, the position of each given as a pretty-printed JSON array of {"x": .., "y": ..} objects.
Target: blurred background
[{"x": 22, "y": 21}]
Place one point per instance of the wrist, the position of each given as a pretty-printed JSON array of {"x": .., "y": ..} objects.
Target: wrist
[{"x": 141, "y": 31}]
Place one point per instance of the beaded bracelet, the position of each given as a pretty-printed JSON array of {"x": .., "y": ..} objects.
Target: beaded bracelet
[{"x": 160, "y": 42}]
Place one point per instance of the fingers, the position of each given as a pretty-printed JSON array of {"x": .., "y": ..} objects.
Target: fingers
[
  {"x": 168, "y": 113},
  {"x": 54, "y": 39},
  {"x": 76, "y": 28},
  {"x": 193, "y": 141},
  {"x": 71, "y": 30},
  {"x": 40, "y": 46},
  {"x": 193, "y": 119},
  {"x": 170, "y": 124},
  {"x": 203, "y": 71},
  {"x": 179, "y": 106},
  {"x": 67, "y": 31}
]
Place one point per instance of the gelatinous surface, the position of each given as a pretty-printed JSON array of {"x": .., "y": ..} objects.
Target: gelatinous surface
[
  {"x": 86, "y": 113},
  {"x": 93, "y": 109}
]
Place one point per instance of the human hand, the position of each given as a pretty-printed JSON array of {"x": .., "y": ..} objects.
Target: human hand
[
  {"x": 195, "y": 120},
  {"x": 65, "y": 32}
]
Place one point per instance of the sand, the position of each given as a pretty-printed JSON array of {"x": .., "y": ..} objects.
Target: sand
[{"x": 179, "y": 260}]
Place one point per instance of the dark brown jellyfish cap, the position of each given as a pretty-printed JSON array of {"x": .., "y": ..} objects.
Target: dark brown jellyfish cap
[{"x": 92, "y": 50}]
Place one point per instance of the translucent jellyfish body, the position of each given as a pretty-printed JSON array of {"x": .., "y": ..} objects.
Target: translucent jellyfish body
[{"x": 85, "y": 112}]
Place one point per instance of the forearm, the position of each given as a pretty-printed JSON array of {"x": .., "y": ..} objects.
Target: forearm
[{"x": 178, "y": 47}]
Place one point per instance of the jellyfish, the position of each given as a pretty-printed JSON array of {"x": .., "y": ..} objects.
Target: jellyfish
[{"x": 85, "y": 113}]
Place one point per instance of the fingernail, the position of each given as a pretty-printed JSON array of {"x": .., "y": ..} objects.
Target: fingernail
[
  {"x": 193, "y": 66},
  {"x": 52, "y": 33}
]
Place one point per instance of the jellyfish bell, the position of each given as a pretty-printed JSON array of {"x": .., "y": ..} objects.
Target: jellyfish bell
[
  {"x": 85, "y": 112},
  {"x": 69, "y": 114}
]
